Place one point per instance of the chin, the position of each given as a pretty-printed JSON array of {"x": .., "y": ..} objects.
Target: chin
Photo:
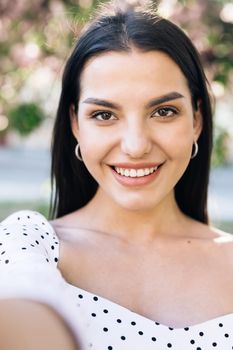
[{"x": 139, "y": 204}]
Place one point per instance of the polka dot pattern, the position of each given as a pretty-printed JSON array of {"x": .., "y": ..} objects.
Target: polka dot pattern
[
  {"x": 27, "y": 237},
  {"x": 29, "y": 233}
]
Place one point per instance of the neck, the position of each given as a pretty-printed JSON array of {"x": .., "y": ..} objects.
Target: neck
[{"x": 138, "y": 226}]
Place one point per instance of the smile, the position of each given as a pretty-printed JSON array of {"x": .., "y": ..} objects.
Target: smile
[
  {"x": 135, "y": 172},
  {"x": 136, "y": 175}
]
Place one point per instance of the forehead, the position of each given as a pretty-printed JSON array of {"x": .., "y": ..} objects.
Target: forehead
[{"x": 135, "y": 71}]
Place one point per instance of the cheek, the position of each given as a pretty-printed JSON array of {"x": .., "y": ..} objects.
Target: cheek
[
  {"x": 177, "y": 140},
  {"x": 96, "y": 139},
  {"x": 94, "y": 144}
]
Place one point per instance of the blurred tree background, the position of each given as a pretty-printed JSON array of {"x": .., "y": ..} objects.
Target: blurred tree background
[{"x": 36, "y": 37}]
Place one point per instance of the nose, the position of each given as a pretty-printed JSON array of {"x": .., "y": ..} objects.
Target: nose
[{"x": 136, "y": 141}]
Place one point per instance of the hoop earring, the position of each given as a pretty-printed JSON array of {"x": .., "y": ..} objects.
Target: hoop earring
[
  {"x": 78, "y": 152},
  {"x": 195, "y": 150}
]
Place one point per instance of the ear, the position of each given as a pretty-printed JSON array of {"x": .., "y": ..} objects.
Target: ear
[
  {"x": 74, "y": 122},
  {"x": 198, "y": 120}
]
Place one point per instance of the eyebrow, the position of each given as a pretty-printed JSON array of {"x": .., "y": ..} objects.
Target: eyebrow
[
  {"x": 165, "y": 98},
  {"x": 155, "y": 101}
]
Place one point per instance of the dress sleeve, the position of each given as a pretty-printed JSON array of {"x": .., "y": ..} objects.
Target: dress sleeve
[{"x": 29, "y": 252}]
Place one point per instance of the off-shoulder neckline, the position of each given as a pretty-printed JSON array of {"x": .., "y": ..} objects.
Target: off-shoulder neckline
[{"x": 217, "y": 319}]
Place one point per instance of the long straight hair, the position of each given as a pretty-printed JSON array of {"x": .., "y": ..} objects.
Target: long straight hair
[{"x": 120, "y": 30}]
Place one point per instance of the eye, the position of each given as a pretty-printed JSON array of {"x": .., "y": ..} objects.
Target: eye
[
  {"x": 103, "y": 116},
  {"x": 165, "y": 112}
]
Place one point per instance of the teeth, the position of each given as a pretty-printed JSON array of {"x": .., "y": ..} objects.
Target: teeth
[
  {"x": 135, "y": 172},
  {"x": 140, "y": 172}
]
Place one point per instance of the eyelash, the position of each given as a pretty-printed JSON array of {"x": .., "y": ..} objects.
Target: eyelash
[
  {"x": 97, "y": 113},
  {"x": 165, "y": 108}
]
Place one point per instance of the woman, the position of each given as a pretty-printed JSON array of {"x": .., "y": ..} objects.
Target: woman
[{"x": 130, "y": 254}]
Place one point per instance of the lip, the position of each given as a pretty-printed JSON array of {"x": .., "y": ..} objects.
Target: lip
[
  {"x": 136, "y": 166},
  {"x": 136, "y": 181}
]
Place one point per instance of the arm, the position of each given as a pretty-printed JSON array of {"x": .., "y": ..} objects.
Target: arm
[
  {"x": 33, "y": 294},
  {"x": 26, "y": 325}
]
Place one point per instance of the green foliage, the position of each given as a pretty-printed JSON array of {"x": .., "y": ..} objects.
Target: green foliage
[
  {"x": 54, "y": 25},
  {"x": 3, "y": 134},
  {"x": 7, "y": 208},
  {"x": 25, "y": 118},
  {"x": 219, "y": 155},
  {"x": 80, "y": 13}
]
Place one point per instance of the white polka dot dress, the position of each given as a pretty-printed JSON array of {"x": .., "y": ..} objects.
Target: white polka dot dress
[{"x": 29, "y": 252}]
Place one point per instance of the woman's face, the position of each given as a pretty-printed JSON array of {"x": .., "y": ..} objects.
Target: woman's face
[{"x": 135, "y": 126}]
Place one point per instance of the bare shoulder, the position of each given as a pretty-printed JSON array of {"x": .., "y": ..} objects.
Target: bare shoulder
[
  {"x": 222, "y": 243},
  {"x": 208, "y": 232},
  {"x": 213, "y": 242},
  {"x": 220, "y": 235},
  {"x": 78, "y": 249},
  {"x": 74, "y": 228},
  {"x": 223, "y": 239}
]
